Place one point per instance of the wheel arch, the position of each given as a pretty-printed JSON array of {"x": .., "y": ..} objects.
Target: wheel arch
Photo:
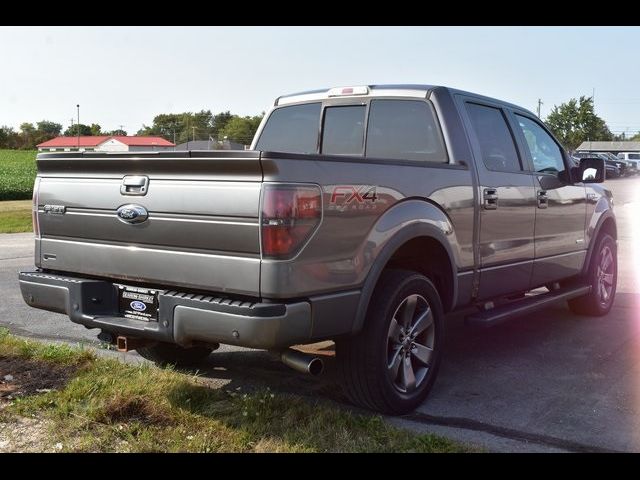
[
  {"x": 606, "y": 224},
  {"x": 402, "y": 247}
]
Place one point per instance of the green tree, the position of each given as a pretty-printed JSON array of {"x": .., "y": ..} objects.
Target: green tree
[
  {"x": 636, "y": 137},
  {"x": 575, "y": 121},
  {"x": 185, "y": 126},
  {"x": 118, "y": 133},
  {"x": 9, "y": 138},
  {"x": 241, "y": 129},
  {"x": 72, "y": 131},
  {"x": 28, "y": 136},
  {"x": 220, "y": 121},
  {"x": 96, "y": 129},
  {"x": 46, "y": 130}
]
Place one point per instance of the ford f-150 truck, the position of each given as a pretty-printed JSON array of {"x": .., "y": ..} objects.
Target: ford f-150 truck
[{"x": 361, "y": 215}]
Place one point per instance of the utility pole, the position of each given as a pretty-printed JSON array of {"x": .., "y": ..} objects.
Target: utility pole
[
  {"x": 194, "y": 133},
  {"x": 539, "y": 105},
  {"x": 121, "y": 127},
  {"x": 78, "y": 107}
]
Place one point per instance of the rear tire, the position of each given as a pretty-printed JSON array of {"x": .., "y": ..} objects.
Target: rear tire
[
  {"x": 391, "y": 365},
  {"x": 171, "y": 354},
  {"x": 603, "y": 278}
]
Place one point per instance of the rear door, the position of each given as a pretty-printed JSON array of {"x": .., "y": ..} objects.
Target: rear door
[
  {"x": 508, "y": 203},
  {"x": 561, "y": 207}
]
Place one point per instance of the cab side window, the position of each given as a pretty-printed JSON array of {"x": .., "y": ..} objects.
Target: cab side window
[
  {"x": 544, "y": 151},
  {"x": 495, "y": 139}
]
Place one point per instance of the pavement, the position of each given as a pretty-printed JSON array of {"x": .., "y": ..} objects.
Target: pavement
[{"x": 546, "y": 382}]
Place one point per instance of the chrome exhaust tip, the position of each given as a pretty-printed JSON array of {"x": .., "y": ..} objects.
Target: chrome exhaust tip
[{"x": 302, "y": 362}]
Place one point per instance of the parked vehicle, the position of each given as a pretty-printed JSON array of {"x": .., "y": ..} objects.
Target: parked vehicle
[
  {"x": 626, "y": 169},
  {"x": 632, "y": 159},
  {"x": 614, "y": 166},
  {"x": 361, "y": 215}
]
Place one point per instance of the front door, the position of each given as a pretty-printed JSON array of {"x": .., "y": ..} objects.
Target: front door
[
  {"x": 508, "y": 202},
  {"x": 561, "y": 207}
]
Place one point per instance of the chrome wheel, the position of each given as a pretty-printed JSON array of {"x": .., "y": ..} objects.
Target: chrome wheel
[
  {"x": 605, "y": 275},
  {"x": 410, "y": 343}
]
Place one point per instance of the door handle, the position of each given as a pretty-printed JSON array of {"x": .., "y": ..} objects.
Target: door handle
[
  {"x": 490, "y": 196},
  {"x": 543, "y": 200}
]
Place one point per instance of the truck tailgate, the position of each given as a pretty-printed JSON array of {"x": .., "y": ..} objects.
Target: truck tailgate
[{"x": 202, "y": 228}]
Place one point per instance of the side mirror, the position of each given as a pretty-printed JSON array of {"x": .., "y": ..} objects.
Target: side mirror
[{"x": 590, "y": 170}]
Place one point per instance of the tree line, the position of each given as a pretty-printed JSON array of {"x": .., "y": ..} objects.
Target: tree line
[
  {"x": 575, "y": 122},
  {"x": 175, "y": 127},
  {"x": 572, "y": 123}
]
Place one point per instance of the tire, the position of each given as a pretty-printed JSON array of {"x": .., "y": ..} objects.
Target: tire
[
  {"x": 599, "y": 300},
  {"x": 367, "y": 361},
  {"x": 171, "y": 354}
]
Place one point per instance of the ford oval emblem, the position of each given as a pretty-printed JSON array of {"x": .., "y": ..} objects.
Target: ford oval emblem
[
  {"x": 132, "y": 213},
  {"x": 138, "y": 306}
]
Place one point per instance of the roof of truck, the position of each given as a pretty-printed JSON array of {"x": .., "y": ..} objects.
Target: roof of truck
[{"x": 401, "y": 90}]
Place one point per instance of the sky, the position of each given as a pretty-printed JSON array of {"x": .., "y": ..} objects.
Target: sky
[{"x": 127, "y": 75}]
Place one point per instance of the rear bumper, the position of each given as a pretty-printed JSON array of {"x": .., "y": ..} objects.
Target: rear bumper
[{"x": 183, "y": 318}]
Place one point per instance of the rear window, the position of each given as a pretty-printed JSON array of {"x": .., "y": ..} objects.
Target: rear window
[
  {"x": 292, "y": 129},
  {"x": 404, "y": 130},
  {"x": 343, "y": 132}
]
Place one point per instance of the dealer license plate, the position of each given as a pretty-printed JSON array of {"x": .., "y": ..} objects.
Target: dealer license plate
[{"x": 138, "y": 303}]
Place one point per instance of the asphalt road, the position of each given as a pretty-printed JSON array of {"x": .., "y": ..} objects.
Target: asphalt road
[{"x": 549, "y": 381}]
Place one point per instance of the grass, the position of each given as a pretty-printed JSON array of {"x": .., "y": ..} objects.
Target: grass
[
  {"x": 109, "y": 406},
  {"x": 15, "y": 216},
  {"x": 17, "y": 174}
]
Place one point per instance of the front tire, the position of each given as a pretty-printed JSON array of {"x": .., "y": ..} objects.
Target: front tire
[
  {"x": 171, "y": 354},
  {"x": 391, "y": 365},
  {"x": 603, "y": 278}
]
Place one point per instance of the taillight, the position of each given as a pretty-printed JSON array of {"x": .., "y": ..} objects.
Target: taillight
[
  {"x": 290, "y": 215},
  {"x": 34, "y": 207}
]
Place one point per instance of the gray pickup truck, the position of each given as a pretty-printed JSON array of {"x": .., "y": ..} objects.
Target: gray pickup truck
[{"x": 361, "y": 215}]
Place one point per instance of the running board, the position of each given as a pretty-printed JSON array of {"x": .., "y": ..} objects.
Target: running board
[{"x": 521, "y": 307}]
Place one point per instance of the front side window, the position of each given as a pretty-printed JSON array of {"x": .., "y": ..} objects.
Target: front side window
[
  {"x": 292, "y": 129},
  {"x": 545, "y": 152},
  {"x": 343, "y": 130},
  {"x": 404, "y": 130},
  {"x": 495, "y": 139},
  {"x": 634, "y": 156}
]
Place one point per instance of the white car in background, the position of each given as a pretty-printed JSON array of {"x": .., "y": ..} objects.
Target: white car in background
[{"x": 632, "y": 159}]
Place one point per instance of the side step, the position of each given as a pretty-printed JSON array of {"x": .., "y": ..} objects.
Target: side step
[{"x": 521, "y": 307}]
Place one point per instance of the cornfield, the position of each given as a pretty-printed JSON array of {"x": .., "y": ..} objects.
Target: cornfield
[{"x": 17, "y": 174}]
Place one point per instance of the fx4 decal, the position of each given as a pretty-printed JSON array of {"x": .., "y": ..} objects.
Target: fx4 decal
[
  {"x": 345, "y": 194},
  {"x": 352, "y": 197}
]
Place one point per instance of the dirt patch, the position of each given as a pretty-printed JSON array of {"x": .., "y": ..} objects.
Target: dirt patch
[
  {"x": 134, "y": 409},
  {"x": 20, "y": 377},
  {"x": 25, "y": 435}
]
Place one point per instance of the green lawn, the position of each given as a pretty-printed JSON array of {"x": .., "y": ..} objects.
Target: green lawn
[
  {"x": 15, "y": 216},
  {"x": 85, "y": 403},
  {"x": 17, "y": 174}
]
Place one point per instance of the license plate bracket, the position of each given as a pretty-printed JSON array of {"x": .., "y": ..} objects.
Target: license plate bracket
[{"x": 138, "y": 303}]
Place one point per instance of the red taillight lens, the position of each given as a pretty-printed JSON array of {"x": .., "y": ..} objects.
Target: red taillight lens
[
  {"x": 34, "y": 207},
  {"x": 290, "y": 214}
]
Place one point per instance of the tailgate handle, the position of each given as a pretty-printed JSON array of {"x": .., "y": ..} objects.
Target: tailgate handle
[{"x": 134, "y": 185}]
